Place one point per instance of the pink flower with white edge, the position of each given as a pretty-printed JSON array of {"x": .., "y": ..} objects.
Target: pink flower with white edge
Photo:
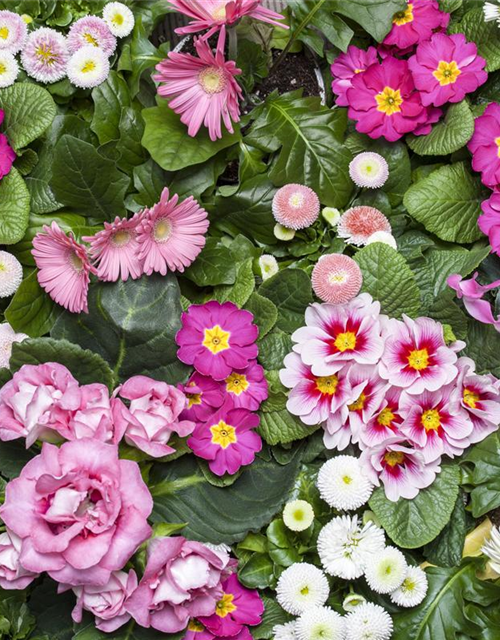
[
  {"x": 384, "y": 422},
  {"x": 94, "y": 516},
  {"x": 12, "y": 573},
  {"x": 416, "y": 23},
  {"x": 227, "y": 440},
  {"x": 402, "y": 470},
  {"x": 416, "y": 357},
  {"x": 358, "y": 224},
  {"x": 204, "y": 396},
  {"x": 471, "y": 293},
  {"x": 153, "y": 415},
  {"x": 485, "y": 146},
  {"x": 346, "y": 66},
  {"x": 368, "y": 389},
  {"x": 339, "y": 334},
  {"x": 91, "y": 31},
  {"x": 435, "y": 423},
  {"x": 13, "y": 32},
  {"x": 246, "y": 388}
]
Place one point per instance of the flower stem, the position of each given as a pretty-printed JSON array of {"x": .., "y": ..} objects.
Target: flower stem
[{"x": 232, "y": 43}]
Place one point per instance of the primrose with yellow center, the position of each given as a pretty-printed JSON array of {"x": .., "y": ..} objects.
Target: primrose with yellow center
[
  {"x": 216, "y": 339},
  {"x": 403, "y": 17},
  {"x": 418, "y": 359},
  {"x": 345, "y": 341},
  {"x": 431, "y": 420},
  {"x": 225, "y": 605},
  {"x": 389, "y": 101},
  {"x": 446, "y": 72},
  {"x": 223, "y": 434},
  {"x": 327, "y": 384},
  {"x": 236, "y": 383}
]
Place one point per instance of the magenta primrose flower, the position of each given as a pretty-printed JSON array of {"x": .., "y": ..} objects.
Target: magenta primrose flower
[
  {"x": 247, "y": 388},
  {"x": 485, "y": 146},
  {"x": 196, "y": 631},
  {"x": 204, "y": 396},
  {"x": 472, "y": 293},
  {"x": 7, "y": 154},
  {"x": 489, "y": 221},
  {"x": 346, "y": 66},
  {"x": 416, "y": 23}
]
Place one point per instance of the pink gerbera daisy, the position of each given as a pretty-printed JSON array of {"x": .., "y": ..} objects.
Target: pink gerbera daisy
[
  {"x": 346, "y": 66},
  {"x": 13, "y": 31},
  {"x": 63, "y": 268},
  {"x": 45, "y": 55},
  {"x": 356, "y": 225},
  {"x": 336, "y": 278},
  {"x": 416, "y": 23},
  {"x": 115, "y": 250},
  {"x": 93, "y": 31},
  {"x": 202, "y": 89},
  {"x": 384, "y": 422},
  {"x": 246, "y": 388},
  {"x": 295, "y": 206},
  {"x": 171, "y": 235},
  {"x": 485, "y": 146}
]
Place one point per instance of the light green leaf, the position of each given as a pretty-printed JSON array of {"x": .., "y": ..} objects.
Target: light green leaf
[
  {"x": 483, "y": 34},
  {"x": 280, "y": 427},
  {"x": 31, "y": 311},
  {"x": 264, "y": 312},
  {"x": 14, "y": 207},
  {"x": 29, "y": 111},
  {"x": 243, "y": 287},
  {"x": 110, "y": 98},
  {"x": 291, "y": 292},
  {"x": 257, "y": 572},
  {"x": 449, "y": 135}
]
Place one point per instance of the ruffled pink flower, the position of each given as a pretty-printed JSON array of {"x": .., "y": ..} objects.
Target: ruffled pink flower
[
  {"x": 346, "y": 66},
  {"x": 384, "y": 102},
  {"x": 63, "y": 268},
  {"x": 369, "y": 390},
  {"x": 336, "y": 278},
  {"x": 204, "y": 396},
  {"x": 12, "y": 574},
  {"x": 489, "y": 221},
  {"x": 227, "y": 440},
  {"x": 246, "y": 388},
  {"x": 182, "y": 580},
  {"x": 171, "y": 235},
  {"x": 7, "y": 154},
  {"x": 335, "y": 335},
  {"x": 202, "y": 89},
  {"x": 217, "y": 338},
  {"x": 80, "y": 512},
  {"x": 485, "y": 145},
  {"x": 416, "y": 357},
  {"x": 384, "y": 422},
  {"x": 91, "y": 30},
  {"x": 356, "y": 225},
  {"x": 13, "y": 31},
  {"x": 236, "y": 608},
  {"x": 416, "y": 23},
  {"x": 153, "y": 415},
  {"x": 471, "y": 292},
  {"x": 402, "y": 470}
]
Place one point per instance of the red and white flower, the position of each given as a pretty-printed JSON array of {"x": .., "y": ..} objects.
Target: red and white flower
[
  {"x": 385, "y": 421},
  {"x": 369, "y": 390}
]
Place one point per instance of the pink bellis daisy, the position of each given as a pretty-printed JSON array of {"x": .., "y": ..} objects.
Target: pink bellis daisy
[
  {"x": 489, "y": 221},
  {"x": 446, "y": 68},
  {"x": 416, "y": 23},
  {"x": 227, "y": 440},
  {"x": 336, "y": 278},
  {"x": 63, "y": 268},
  {"x": 369, "y": 169},
  {"x": 247, "y": 388},
  {"x": 91, "y": 31},
  {"x": 7, "y": 153},
  {"x": 356, "y": 225},
  {"x": 485, "y": 146},
  {"x": 115, "y": 250},
  {"x": 383, "y": 101},
  {"x": 472, "y": 293},
  {"x": 204, "y": 396},
  {"x": 171, "y": 235},
  {"x": 13, "y": 32},
  {"x": 346, "y": 66},
  {"x": 88, "y": 67},
  {"x": 202, "y": 89},
  {"x": 217, "y": 338},
  {"x": 295, "y": 206},
  {"x": 45, "y": 55},
  {"x": 384, "y": 422}
]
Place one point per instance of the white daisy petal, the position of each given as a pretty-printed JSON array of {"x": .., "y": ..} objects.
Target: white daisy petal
[
  {"x": 368, "y": 622},
  {"x": 386, "y": 570},
  {"x": 320, "y": 623},
  {"x": 301, "y": 587},
  {"x": 413, "y": 590},
  {"x": 343, "y": 484},
  {"x": 284, "y": 631}
]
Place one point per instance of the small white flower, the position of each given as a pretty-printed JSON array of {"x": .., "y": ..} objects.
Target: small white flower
[
  {"x": 344, "y": 547},
  {"x": 320, "y": 623},
  {"x": 352, "y": 601},
  {"x": 11, "y": 274},
  {"x": 369, "y": 170},
  {"x": 383, "y": 237},
  {"x": 386, "y": 570},
  {"x": 413, "y": 590},
  {"x": 331, "y": 215},
  {"x": 284, "y": 631},
  {"x": 88, "y": 67},
  {"x": 7, "y": 338},
  {"x": 298, "y": 515},
  {"x": 119, "y": 19},
  {"x": 268, "y": 266},
  {"x": 342, "y": 483},
  {"x": 301, "y": 587},
  {"x": 491, "y": 12},
  {"x": 283, "y": 233},
  {"x": 491, "y": 548},
  {"x": 368, "y": 622},
  {"x": 9, "y": 69}
]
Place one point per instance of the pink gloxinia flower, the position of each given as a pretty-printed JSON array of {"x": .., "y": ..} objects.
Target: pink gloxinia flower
[
  {"x": 204, "y": 396},
  {"x": 246, "y": 388},
  {"x": 416, "y": 23},
  {"x": 384, "y": 422},
  {"x": 346, "y": 66},
  {"x": 12, "y": 574},
  {"x": 485, "y": 145},
  {"x": 153, "y": 415},
  {"x": 446, "y": 68},
  {"x": 416, "y": 357},
  {"x": 236, "y": 608},
  {"x": 384, "y": 102},
  {"x": 227, "y": 440},
  {"x": 94, "y": 515},
  {"x": 182, "y": 580},
  {"x": 489, "y": 221},
  {"x": 7, "y": 154},
  {"x": 202, "y": 89},
  {"x": 217, "y": 338},
  {"x": 471, "y": 292},
  {"x": 171, "y": 235}
]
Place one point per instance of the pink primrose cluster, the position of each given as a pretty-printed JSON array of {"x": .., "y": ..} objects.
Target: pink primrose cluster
[{"x": 7, "y": 154}]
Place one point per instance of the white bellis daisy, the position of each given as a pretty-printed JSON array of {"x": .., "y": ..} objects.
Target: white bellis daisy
[
  {"x": 413, "y": 590},
  {"x": 301, "y": 587},
  {"x": 320, "y": 623},
  {"x": 11, "y": 274},
  {"x": 342, "y": 483},
  {"x": 119, "y": 18},
  {"x": 386, "y": 570},
  {"x": 368, "y": 622}
]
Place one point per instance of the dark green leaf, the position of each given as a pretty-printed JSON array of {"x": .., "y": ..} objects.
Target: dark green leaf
[
  {"x": 264, "y": 311},
  {"x": 375, "y": 16},
  {"x": 13, "y": 457},
  {"x": 290, "y": 290},
  {"x": 446, "y": 550},
  {"x": 485, "y": 478},
  {"x": 110, "y": 98},
  {"x": 215, "y": 265},
  {"x": 31, "y": 311},
  {"x": 29, "y": 111},
  {"x": 257, "y": 572}
]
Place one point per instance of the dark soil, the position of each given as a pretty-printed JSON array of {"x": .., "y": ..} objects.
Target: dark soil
[
  {"x": 230, "y": 175},
  {"x": 494, "y": 516},
  {"x": 296, "y": 71}
]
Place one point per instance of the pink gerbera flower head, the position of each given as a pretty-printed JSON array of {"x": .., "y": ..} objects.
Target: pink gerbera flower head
[
  {"x": 45, "y": 55},
  {"x": 227, "y": 440},
  {"x": 369, "y": 170},
  {"x": 416, "y": 357},
  {"x": 246, "y": 388},
  {"x": 384, "y": 422},
  {"x": 489, "y": 220},
  {"x": 336, "y": 335},
  {"x": 171, "y": 235},
  {"x": 383, "y": 101},
  {"x": 295, "y": 206},
  {"x": 217, "y": 338},
  {"x": 346, "y": 66},
  {"x": 91, "y": 31},
  {"x": 368, "y": 391},
  {"x": 416, "y": 23},
  {"x": 204, "y": 396},
  {"x": 485, "y": 146},
  {"x": 356, "y": 225},
  {"x": 13, "y": 31},
  {"x": 446, "y": 68},
  {"x": 472, "y": 293},
  {"x": 202, "y": 89},
  {"x": 115, "y": 250},
  {"x": 63, "y": 268},
  {"x": 336, "y": 278},
  {"x": 7, "y": 154}
]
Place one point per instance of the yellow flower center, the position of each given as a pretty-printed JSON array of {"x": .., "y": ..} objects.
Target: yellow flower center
[
  {"x": 117, "y": 19},
  {"x": 409, "y": 585},
  {"x": 121, "y": 238},
  {"x": 389, "y": 101},
  {"x": 223, "y": 434},
  {"x": 212, "y": 80},
  {"x": 447, "y": 72},
  {"x": 236, "y": 383},
  {"x": 193, "y": 398},
  {"x": 90, "y": 39},
  {"x": 195, "y": 626},
  {"x": 46, "y": 54},
  {"x": 4, "y": 33},
  {"x": 337, "y": 278},
  {"x": 359, "y": 404},
  {"x": 3, "y": 68},
  {"x": 497, "y": 142},
  {"x": 403, "y": 17},
  {"x": 347, "y": 480},
  {"x": 304, "y": 591},
  {"x": 471, "y": 398},
  {"x": 393, "y": 458},
  {"x": 431, "y": 420},
  {"x": 358, "y": 70},
  {"x": 345, "y": 341},
  {"x": 219, "y": 13},
  {"x": 75, "y": 262},
  {"x": 225, "y": 605},
  {"x": 296, "y": 200},
  {"x": 385, "y": 417},
  {"x": 162, "y": 230},
  {"x": 418, "y": 359},
  {"x": 88, "y": 66},
  {"x": 216, "y": 339},
  {"x": 327, "y": 385}
]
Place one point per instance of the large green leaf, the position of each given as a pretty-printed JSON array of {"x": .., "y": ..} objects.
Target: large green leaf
[
  {"x": 280, "y": 427},
  {"x": 13, "y": 457},
  {"x": 319, "y": 14},
  {"x": 110, "y": 97},
  {"x": 485, "y": 477},
  {"x": 483, "y": 34},
  {"x": 29, "y": 111},
  {"x": 375, "y": 16},
  {"x": 483, "y": 345},
  {"x": 264, "y": 312},
  {"x": 449, "y": 135},
  {"x": 129, "y": 631},
  {"x": 31, "y": 311},
  {"x": 290, "y": 290},
  {"x": 14, "y": 207},
  {"x": 52, "y": 611},
  {"x": 446, "y": 550},
  {"x": 131, "y": 151},
  {"x": 243, "y": 287},
  {"x": 215, "y": 265},
  {"x": 273, "y": 348}
]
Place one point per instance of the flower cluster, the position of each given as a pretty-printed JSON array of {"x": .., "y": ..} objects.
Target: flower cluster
[
  {"x": 393, "y": 387},
  {"x": 399, "y": 87},
  {"x": 227, "y": 387},
  {"x": 7, "y": 154}
]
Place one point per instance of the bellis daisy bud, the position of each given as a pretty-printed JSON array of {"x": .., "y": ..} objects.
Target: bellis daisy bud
[
  {"x": 352, "y": 601},
  {"x": 342, "y": 483},
  {"x": 331, "y": 215},
  {"x": 336, "y": 278},
  {"x": 369, "y": 170},
  {"x": 298, "y": 515},
  {"x": 27, "y": 19},
  {"x": 413, "y": 590},
  {"x": 119, "y": 18},
  {"x": 11, "y": 274},
  {"x": 383, "y": 237},
  {"x": 295, "y": 206},
  {"x": 356, "y": 225},
  {"x": 368, "y": 622},
  {"x": 284, "y": 631},
  {"x": 386, "y": 570},
  {"x": 301, "y": 587},
  {"x": 283, "y": 233},
  {"x": 320, "y": 623},
  {"x": 88, "y": 67},
  {"x": 9, "y": 69},
  {"x": 268, "y": 266}
]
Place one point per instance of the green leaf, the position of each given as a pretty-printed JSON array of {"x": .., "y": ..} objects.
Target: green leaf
[
  {"x": 375, "y": 16},
  {"x": 52, "y": 611},
  {"x": 31, "y": 311},
  {"x": 14, "y": 207},
  {"x": 110, "y": 98},
  {"x": 281, "y": 544},
  {"x": 413, "y": 523},
  {"x": 129, "y": 146},
  {"x": 257, "y": 572},
  {"x": 215, "y": 265},
  {"x": 485, "y": 477},
  {"x": 449, "y": 135},
  {"x": 280, "y": 427},
  {"x": 273, "y": 349},
  {"x": 13, "y": 457},
  {"x": 250, "y": 162},
  {"x": 142, "y": 56},
  {"x": 483, "y": 343},
  {"x": 273, "y": 616},
  {"x": 243, "y": 287},
  {"x": 264, "y": 312},
  {"x": 129, "y": 631},
  {"x": 291, "y": 292},
  {"x": 447, "y": 203},
  {"x": 446, "y": 550},
  {"x": 29, "y": 111},
  {"x": 483, "y": 34},
  {"x": 318, "y": 14}
]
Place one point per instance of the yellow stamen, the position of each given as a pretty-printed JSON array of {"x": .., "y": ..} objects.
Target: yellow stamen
[
  {"x": 121, "y": 238},
  {"x": 46, "y": 54},
  {"x": 3, "y": 68},
  {"x": 236, "y": 383},
  {"x": 389, "y": 101},
  {"x": 471, "y": 398},
  {"x": 195, "y": 626},
  {"x": 345, "y": 341},
  {"x": 447, "y": 72},
  {"x": 4, "y": 33},
  {"x": 403, "y": 17},
  {"x": 225, "y": 605},
  {"x": 90, "y": 39},
  {"x": 212, "y": 80},
  {"x": 327, "y": 385},
  {"x": 223, "y": 434},
  {"x": 393, "y": 458},
  {"x": 216, "y": 339},
  {"x": 359, "y": 404},
  {"x": 117, "y": 19},
  {"x": 193, "y": 398},
  {"x": 88, "y": 66},
  {"x": 385, "y": 417},
  {"x": 418, "y": 359},
  {"x": 431, "y": 420}
]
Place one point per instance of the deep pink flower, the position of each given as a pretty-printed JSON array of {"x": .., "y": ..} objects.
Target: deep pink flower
[
  {"x": 336, "y": 278},
  {"x": 433, "y": 115},
  {"x": 12, "y": 574},
  {"x": 227, "y": 440},
  {"x": 7, "y": 154},
  {"x": 202, "y": 89},
  {"x": 384, "y": 102},
  {"x": 196, "y": 631},
  {"x": 171, "y": 235},
  {"x": 246, "y": 388},
  {"x": 204, "y": 396},
  {"x": 357, "y": 224},
  {"x": 369, "y": 390},
  {"x": 80, "y": 511},
  {"x": 182, "y": 580},
  {"x": 416, "y": 23},
  {"x": 471, "y": 292},
  {"x": 485, "y": 145},
  {"x": 489, "y": 221},
  {"x": 91, "y": 30},
  {"x": 346, "y": 66},
  {"x": 236, "y": 608},
  {"x": 217, "y": 338},
  {"x": 384, "y": 422}
]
